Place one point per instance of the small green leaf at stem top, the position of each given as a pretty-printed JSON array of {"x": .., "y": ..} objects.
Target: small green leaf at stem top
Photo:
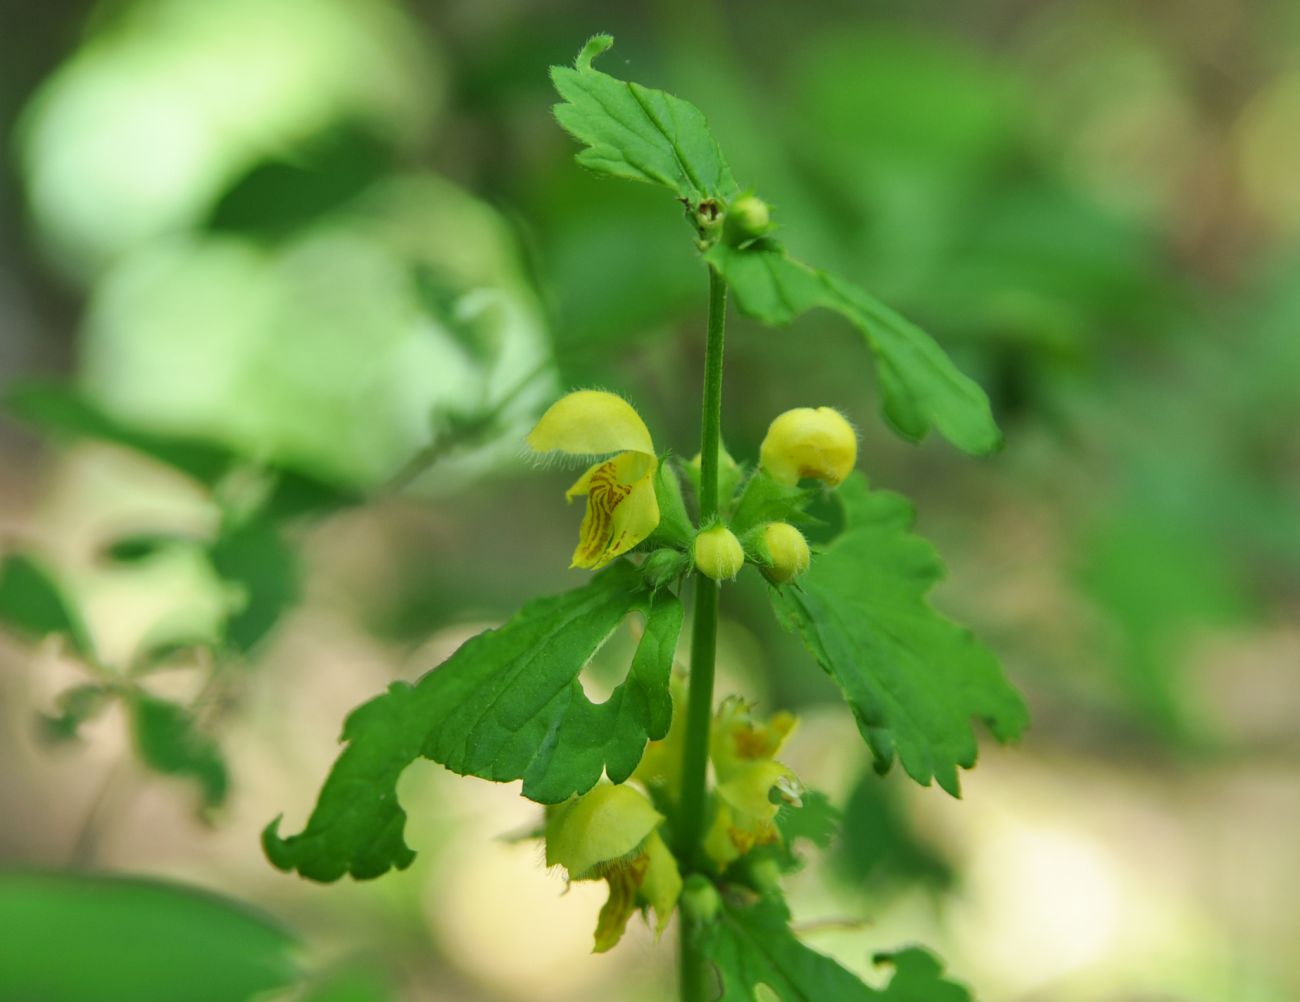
[
  {"x": 752, "y": 945},
  {"x": 913, "y": 678},
  {"x": 638, "y": 133},
  {"x": 921, "y": 386},
  {"x": 507, "y": 705}
]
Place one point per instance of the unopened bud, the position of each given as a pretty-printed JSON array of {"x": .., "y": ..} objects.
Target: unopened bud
[
  {"x": 747, "y": 219},
  {"x": 788, "y": 551},
  {"x": 700, "y": 900},
  {"x": 662, "y": 566},
  {"x": 718, "y": 553},
  {"x": 816, "y": 443}
]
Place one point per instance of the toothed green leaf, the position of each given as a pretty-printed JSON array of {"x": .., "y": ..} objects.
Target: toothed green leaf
[
  {"x": 752, "y": 945},
  {"x": 922, "y": 388},
  {"x": 913, "y": 678},
  {"x": 507, "y": 705},
  {"x": 638, "y": 133}
]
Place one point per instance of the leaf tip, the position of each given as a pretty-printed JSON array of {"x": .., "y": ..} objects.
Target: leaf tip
[
  {"x": 596, "y": 44},
  {"x": 276, "y": 848}
]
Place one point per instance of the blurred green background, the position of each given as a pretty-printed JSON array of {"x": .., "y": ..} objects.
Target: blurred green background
[{"x": 283, "y": 284}]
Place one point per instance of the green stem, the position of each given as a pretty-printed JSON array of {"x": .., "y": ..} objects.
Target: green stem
[{"x": 699, "y": 703}]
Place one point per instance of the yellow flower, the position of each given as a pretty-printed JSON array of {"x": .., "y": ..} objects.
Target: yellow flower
[
  {"x": 738, "y": 737},
  {"x": 611, "y": 833},
  {"x": 805, "y": 442},
  {"x": 743, "y": 751},
  {"x": 622, "y": 508}
]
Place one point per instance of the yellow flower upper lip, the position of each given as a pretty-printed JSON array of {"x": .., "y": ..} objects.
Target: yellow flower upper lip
[{"x": 591, "y": 423}]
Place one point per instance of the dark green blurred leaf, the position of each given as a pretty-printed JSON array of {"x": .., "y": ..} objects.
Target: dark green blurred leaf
[
  {"x": 878, "y": 844},
  {"x": 295, "y": 494},
  {"x": 31, "y": 602},
  {"x": 903, "y": 97},
  {"x": 139, "y": 547},
  {"x": 507, "y": 705},
  {"x": 255, "y": 557},
  {"x": 75, "y": 707},
  {"x": 63, "y": 412},
  {"x": 1159, "y": 581},
  {"x": 913, "y": 679},
  {"x": 169, "y": 742},
  {"x": 77, "y": 938},
  {"x": 280, "y": 195},
  {"x": 637, "y": 133},
  {"x": 586, "y": 224}
]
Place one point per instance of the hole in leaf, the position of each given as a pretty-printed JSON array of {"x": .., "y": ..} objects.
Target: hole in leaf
[{"x": 610, "y": 664}]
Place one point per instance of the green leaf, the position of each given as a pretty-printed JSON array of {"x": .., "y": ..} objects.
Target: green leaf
[
  {"x": 815, "y": 819},
  {"x": 62, "y": 411},
  {"x": 76, "y": 706},
  {"x": 169, "y": 743},
  {"x": 752, "y": 945},
  {"x": 287, "y": 193},
  {"x": 72, "y": 937},
  {"x": 880, "y": 849},
  {"x": 922, "y": 388},
  {"x": 918, "y": 977},
  {"x": 31, "y": 602},
  {"x": 913, "y": 679},
  {"x": 637, "y": 133},
  {"x": 507, "y": 705},
  {"x": 255, "y": 557}
]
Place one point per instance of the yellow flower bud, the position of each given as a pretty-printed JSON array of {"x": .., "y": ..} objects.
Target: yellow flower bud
[
  {"x": 718, "y": 553},
  {"x": 738, "y": 738},
  {"x": 806, "y": 442},
  {"x": 788, "y": 551},
  {"x": 700, "y": 899}
]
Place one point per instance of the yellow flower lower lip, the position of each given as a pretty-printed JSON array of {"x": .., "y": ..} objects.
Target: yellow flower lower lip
[{"x": 622, "y": 508}]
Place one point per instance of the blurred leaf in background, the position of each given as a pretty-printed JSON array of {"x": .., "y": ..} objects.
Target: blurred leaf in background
[{"x": 69, "y": 938}]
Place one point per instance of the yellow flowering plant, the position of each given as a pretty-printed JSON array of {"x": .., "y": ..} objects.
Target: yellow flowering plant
[{"x": 681, "y": 805}]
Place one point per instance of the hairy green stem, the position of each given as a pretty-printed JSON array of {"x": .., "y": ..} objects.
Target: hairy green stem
[{"x": 699, "y": 703}]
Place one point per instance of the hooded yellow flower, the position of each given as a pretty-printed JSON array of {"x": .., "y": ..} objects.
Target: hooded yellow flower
[
  {"x": 622, "y": 508},
  {"x": 742, "y": 749},
  {"x": 611, "y": 833}
]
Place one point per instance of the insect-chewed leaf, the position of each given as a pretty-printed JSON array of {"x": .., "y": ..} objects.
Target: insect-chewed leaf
[
  {"x": 507, "y": 705},
  {"x": 638, "y": 133},
  {"x": 921, "y": 386},
  {"x": 752, "y": 945},
  {"x": 913, "y": 678}
]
